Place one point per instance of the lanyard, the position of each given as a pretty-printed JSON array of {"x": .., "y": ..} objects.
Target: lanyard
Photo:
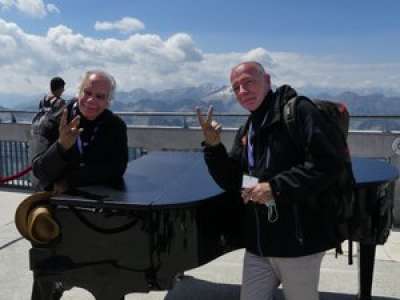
[
  {"x": 81, "y": 145},
  {"x": 250, "y": 149},
  {"x": 250, "y": 146}
]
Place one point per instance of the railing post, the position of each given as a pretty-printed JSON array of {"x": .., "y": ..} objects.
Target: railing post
[{"x": 185, "y": 125}]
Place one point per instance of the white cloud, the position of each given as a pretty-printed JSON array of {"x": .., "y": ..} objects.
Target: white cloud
[
  {"x": 125, "y": 25},
  {"x": 33, "y": 8},
  {"x": 6, "y": 4},
  {"x": 52, "y": 8},
  {"x": 28, "y": 61}
]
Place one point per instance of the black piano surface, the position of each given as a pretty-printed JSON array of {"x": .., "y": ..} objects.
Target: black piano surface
[
  {"x": 167, "y": 217},
  {"x": 158, "y": 179},
  {"x": 373, "y": 171}
]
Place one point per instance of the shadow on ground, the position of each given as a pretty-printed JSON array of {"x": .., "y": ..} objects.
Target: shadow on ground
[{"x": 196, "y": 289}]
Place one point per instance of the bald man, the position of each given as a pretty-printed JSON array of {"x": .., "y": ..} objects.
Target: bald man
[{"x": 287, "y": 194}]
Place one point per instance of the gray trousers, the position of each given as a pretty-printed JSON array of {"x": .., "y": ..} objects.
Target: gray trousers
[{"x": 299, "y": 277}]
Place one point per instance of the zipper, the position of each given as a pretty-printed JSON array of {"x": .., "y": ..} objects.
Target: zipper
[
  {"x": 268, "y": 158},
  {"x": 298, "y": 227}
]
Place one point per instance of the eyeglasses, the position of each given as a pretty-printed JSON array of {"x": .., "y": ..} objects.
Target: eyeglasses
[{"x": 247, "y": 84}]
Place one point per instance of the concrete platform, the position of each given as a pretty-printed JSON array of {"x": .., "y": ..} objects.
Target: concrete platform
[{"x": 217, "y": 280}]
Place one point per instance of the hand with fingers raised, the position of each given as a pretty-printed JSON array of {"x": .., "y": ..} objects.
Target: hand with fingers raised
[
  {"x": 68, "y": 132},
  {"x": 211, "y": 129}
]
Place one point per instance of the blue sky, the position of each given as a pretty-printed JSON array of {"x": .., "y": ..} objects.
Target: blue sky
[{"x": 333, "y": 46}]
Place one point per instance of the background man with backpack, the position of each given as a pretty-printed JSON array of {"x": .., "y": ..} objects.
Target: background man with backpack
[
  {"x": 288, "y": 191},
  {"x": 57, "y": 85}
]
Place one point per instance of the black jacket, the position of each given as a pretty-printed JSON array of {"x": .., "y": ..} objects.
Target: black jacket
[
  {"x": 103, "y": 160},
  {"x": 302, "y": 187}
]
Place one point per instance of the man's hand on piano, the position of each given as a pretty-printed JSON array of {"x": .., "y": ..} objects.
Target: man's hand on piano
[
  {"x": 60, "y": 187},
  {"x": 211, "y": 129}
]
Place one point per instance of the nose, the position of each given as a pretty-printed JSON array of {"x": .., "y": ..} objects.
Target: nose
[
  {"x": 91, "y": 99},
  {"x": 242, "y": 89}
]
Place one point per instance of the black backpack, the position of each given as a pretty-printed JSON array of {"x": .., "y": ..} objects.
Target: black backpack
[
  {"x": 346, "y": 212},
  {"x": 49, "y": 112}
]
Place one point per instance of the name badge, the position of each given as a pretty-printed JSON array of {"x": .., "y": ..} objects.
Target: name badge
[{"x": 249, "y": 181}]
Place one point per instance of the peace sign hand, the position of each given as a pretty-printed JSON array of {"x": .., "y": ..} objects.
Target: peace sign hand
[
  {"x": 68, "y": 132},
  {"x": 211, "y": 129}
]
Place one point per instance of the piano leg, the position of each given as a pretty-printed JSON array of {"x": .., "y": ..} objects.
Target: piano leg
[
  {"x": 366, "y": 270},
  {"x": 46, "y": 290}
]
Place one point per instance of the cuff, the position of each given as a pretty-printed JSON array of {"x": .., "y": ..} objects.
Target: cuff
[{"x": 275, "y": 188}]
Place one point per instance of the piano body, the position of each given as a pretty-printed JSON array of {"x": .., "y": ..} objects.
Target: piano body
[{"x": 168, "y": 217}]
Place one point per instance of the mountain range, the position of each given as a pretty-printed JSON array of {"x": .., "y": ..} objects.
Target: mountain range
[{"x": 221, "y": 97}]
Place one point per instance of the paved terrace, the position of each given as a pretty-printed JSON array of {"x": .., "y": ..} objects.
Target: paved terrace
[{"x": 217, "y": 280}]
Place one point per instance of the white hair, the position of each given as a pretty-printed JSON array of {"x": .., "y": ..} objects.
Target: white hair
[{"x": 109, "y": 77}]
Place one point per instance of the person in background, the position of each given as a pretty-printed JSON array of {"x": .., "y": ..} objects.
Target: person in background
[
  {"x": 86, "y": 145},
  {"x": 57, "y": 85},
  {"x": 287, "y": 191}
]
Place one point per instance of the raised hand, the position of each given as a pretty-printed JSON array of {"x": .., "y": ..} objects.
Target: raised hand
[
  {"x": 211, "y": 129},
  {"x": 68, "y": 132}
]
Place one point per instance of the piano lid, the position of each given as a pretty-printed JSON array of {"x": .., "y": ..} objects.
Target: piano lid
[
  {"x": 159, "y": 178},
  {"x": 182, "y": 178},
  {"x": 373, "y": 171}
]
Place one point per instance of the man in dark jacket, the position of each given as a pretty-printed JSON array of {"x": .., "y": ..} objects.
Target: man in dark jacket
[
  {"x": 287, "y": 224},
  {"x": 87, "y": 145}
]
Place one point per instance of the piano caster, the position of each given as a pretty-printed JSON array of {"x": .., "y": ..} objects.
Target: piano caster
[
  {"x": 179, "y": 276},
  {"x": 46, "y": 290}
]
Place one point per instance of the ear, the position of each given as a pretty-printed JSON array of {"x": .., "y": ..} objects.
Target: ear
[{"x": 267, "y": 79}]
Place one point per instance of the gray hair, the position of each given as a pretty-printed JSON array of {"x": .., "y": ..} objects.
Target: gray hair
[
  {"x": 106, "y": 75},
  {"x": 259, "y": 67}
]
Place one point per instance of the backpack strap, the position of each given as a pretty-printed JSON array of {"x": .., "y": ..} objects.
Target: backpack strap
[{"x": 289, "y": 119}]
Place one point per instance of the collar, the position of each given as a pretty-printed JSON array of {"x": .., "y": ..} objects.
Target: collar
[{"x": 275, "y": 102}]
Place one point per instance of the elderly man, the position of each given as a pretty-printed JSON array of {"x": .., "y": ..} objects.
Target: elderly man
[
  {"x": 87, "y": 145},
  {"x": 287, "y": 222}
]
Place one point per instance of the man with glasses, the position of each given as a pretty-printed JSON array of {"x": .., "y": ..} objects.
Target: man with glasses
[
  {"x": 86, "y": 145},
  {"x": 287, "y": 222}
]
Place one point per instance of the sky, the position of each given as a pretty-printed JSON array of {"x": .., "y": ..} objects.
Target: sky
[{"x": 319, "y": 46}]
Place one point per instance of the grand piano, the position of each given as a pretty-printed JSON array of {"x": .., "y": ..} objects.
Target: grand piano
[{"x": 168, "y": 216}]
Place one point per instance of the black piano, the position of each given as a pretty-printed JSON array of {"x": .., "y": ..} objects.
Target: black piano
[{"x": 168, "y": 216}]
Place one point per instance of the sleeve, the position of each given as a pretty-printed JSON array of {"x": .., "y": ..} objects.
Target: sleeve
[
  {"x": 48, "y": 159},
  {"x": 322, "y": 165},
  {"x": 226, "y": 169},
  {"x": 109, "y": 170}
]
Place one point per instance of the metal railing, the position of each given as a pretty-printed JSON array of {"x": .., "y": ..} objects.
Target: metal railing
[
  {"x": 14, "y": 157},
  {"x": 384, "y": 123},
  {"x": 148, "y": 131}
]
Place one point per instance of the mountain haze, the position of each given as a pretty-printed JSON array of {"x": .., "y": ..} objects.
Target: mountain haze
[{"x": 223, "y": 100}]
